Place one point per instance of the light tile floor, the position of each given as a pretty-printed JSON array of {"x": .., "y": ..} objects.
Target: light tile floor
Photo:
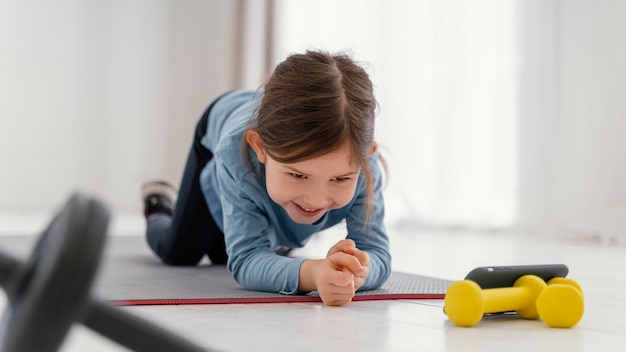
[{"x": 411, "y": 325}]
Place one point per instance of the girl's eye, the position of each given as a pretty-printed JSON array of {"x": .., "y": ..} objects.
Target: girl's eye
[
  {"x": 298, "y": 176},
  {"x": 340, "y": 179}
]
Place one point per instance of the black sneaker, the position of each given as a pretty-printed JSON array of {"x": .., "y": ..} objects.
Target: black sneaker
[{"x": 158, "y": 197}]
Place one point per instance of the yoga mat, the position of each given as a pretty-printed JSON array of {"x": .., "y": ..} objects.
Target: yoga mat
[{"x": 131, "y": 275}]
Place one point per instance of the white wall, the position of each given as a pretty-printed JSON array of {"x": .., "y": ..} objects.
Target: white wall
[{"x": 103, "y": 95}]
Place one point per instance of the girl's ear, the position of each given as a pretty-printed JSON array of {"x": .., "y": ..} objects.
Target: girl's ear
[
  {"x": 254, "y": 140},
  {"x": 373, "y": 148}
]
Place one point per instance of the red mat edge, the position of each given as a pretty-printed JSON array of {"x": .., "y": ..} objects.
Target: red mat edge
[{"x": 286, "y": 299}]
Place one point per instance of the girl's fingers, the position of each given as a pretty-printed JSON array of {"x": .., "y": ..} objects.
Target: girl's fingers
[
  {"x": 346, "y": 261},
  {"x": 363, "y": 257},
  {"x": 345, "y": 246}
]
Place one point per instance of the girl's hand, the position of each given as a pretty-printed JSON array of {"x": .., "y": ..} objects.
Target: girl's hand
[
  {"x": 334, "y": 281},
  {"x": 338, "y": 276},
  {"x": 349, "y": 247}
]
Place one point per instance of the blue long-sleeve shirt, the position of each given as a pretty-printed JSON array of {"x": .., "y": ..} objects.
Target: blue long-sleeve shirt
[{"x": 254, "y": 225}]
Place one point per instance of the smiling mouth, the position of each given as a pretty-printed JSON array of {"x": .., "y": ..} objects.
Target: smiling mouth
[{"x": 307, "y": 211}]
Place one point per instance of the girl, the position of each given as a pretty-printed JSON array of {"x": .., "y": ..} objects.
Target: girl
[{"x": 268, "y": 170}]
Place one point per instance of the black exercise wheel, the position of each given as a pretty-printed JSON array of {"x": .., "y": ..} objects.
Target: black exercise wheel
[{"x": 49, "y": 293}]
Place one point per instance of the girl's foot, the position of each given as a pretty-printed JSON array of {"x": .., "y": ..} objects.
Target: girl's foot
[{"x": 158, "y": 197}]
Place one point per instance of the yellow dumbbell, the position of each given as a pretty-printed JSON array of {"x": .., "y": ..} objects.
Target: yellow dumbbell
[
  {"x": 561, "y": 304},
  {"x": 465, "y": 302}
]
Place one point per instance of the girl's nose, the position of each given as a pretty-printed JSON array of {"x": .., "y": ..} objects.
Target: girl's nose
[{"x": 316, "y": 198}]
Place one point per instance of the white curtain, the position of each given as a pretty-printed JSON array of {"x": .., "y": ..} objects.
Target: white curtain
[
  {"x": 572, "y": 118},
  {"x": 494, "y": 113}
]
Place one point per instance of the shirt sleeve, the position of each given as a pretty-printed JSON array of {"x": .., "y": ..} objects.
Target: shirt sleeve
[
  {"x": 248, "y": 236},
  {"x": 371, "y": 236}
]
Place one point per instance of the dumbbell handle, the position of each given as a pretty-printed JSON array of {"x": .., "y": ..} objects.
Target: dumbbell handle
[
  {"x": 110, "y": 321},
  {"x": 465, "y": 302},
  {"x": 499, "y": 300}
]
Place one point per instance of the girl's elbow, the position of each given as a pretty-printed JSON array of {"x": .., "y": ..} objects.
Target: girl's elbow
[{"x": 234, "y": 266}]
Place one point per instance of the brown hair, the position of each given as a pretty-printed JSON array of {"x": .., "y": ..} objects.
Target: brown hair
[{"x": 313, "y": 104}]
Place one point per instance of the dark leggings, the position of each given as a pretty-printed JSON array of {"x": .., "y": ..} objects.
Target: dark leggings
[{"x": 190, "y": 233}]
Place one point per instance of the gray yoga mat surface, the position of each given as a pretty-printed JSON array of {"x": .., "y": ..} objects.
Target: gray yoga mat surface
[{"x": 131, "y": 275}]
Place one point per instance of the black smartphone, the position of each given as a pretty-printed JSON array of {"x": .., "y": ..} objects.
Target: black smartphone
[{"x": 505, "y": 276}]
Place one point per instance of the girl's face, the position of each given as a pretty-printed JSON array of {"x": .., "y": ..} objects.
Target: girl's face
[{"x": 310, "y": 188}]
